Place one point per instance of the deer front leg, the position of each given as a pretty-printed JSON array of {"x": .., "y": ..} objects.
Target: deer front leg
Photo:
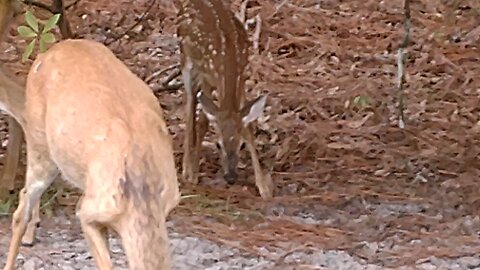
[
  {"x": 41, "y": 172},
  {"x": 202, "y": 128},
  {"x": 263, "y": 181},
  {"x": 12, "y": 156},
  {"x": 28, "y": 238},
  {"x": 189, "y": 172}
]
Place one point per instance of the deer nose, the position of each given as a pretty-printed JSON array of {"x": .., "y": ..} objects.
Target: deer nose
[{"x": 230, "y": 177}]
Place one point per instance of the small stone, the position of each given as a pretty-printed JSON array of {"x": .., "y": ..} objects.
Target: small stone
[{"x": 32, "y": 264}]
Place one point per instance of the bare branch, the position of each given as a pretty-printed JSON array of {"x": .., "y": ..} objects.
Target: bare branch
[
  {"x": 401, "y": 64},
  {"x": 165, "y": 85},
  {"x": 169, "y": 87},
  {"x": 139, "y": 20},
  {"x": 63, "y": 23},
  {"x": 160, "y": 72},
  {"x": 38, "y": 4},
  {"x": 74, "y": 3}
]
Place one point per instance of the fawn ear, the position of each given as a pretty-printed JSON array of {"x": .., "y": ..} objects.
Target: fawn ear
[
  {"x": 253, "y": 109},
  {"x": 208, "y": 106}
]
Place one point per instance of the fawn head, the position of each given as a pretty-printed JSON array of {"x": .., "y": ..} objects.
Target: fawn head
[{"x": 230, "y": 126}]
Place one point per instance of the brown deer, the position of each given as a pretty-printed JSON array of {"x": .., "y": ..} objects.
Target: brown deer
[
  {"x": 91, "y": 119},
  {"x": 12, "y": 154},
  {"x": 12, "y": 100},
  {"x": 15, "y": 131},
  {"x": 214, "y": 53}
]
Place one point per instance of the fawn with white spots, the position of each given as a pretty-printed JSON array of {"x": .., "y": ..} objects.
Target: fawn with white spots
[{"x": 214, "y": 53}]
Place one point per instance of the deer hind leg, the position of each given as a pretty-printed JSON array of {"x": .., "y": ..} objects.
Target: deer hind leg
[
  {"x": 190, "y": 156},
  {"x": 96, "y": 210},
  {"x": 96, "y": 236},
  {"x": 41, "y": 171},
  {"x": 263, "y": 181}
]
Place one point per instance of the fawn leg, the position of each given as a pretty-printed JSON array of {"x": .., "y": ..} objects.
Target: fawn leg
[
  {"x": 41, "y": 171},
  {"x": 263, "y": 181},
  {"x": 189, "y": 155},
  {"x": 201, "y": 131}
]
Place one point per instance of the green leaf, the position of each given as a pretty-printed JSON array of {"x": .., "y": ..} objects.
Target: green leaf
[
  {"x": 44, "y": 40},
  {"x": 31, "y": 20},
  {"x": 26, "y": 31},
  {"x": 356, "y": 100},
  {"x": 51, "y": 23},
  {"x": 48, "y": 37},
  {"x": 28, "y": 50},
  {"x": 361, "y": 101},
  {"x": 42, "y": 45},
  {"x": 5, "y": 207}
]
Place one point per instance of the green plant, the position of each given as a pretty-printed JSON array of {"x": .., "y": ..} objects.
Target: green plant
[
  {"x": 361, "y": 101},
  {"x": 6, "y": 205},
  {"x": 32, "y": 31}
]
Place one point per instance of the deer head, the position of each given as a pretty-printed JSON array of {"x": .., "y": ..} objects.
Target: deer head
[{"x": 230, "y": 125}]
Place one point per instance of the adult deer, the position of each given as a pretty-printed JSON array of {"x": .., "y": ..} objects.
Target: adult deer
[
  {"x": 14, "y": 95},
  {"x": 12, "y": 100},
  {"x": 91, "y": 119},
  {"x": 214, "y": 53},
  {"x": 15, "y": 131}
]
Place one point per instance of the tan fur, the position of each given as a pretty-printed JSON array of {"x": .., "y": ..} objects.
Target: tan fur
[
  {"x": 92, "y": 120},
  {"x": 214, "y": 53},
  {"x": 12, "y": 100}
]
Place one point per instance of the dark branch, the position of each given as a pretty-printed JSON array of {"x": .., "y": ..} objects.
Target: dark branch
[
  {"x": 38, "y": 4},
  {"x": 74, "y": 3},
  {"x": 63, "y": 23},
  {"x": 139, "y": 20},
  {"x": 169, "y": 87}
]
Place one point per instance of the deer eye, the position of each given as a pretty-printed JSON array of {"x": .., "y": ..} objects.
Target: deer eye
[{"x": 217, "y": 144}]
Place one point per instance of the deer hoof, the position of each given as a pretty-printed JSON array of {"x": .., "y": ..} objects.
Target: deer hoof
[{"x": 265, "y": 187}]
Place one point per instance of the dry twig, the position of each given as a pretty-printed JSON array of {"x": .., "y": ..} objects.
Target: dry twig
[
  {"x": 160, "y": 72},
  {"x": 401, "y": 64},
  {"x": 165, "y": 85},
  {"x": 139, "y": 20}
]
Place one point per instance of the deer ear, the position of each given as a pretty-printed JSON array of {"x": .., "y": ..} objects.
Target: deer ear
[
  {"x": 208, "y": 106},
  {"x": 253, "y": 109}
]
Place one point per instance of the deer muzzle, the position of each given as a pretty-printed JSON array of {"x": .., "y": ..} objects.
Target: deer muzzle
[{"x": 231, "y": 168}]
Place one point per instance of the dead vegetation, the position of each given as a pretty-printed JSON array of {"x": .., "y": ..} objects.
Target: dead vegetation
[{"x": 330, "y": 134}]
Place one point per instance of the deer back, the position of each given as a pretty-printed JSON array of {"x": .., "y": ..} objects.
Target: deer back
[
  {"x": 104, "y": 129},
  {"x": 95, "y": 114},
  {"x": 216, "y": 43}
]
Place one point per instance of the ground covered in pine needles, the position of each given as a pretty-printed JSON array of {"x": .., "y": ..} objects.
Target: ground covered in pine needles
[{"x": 350, "y": 186}]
